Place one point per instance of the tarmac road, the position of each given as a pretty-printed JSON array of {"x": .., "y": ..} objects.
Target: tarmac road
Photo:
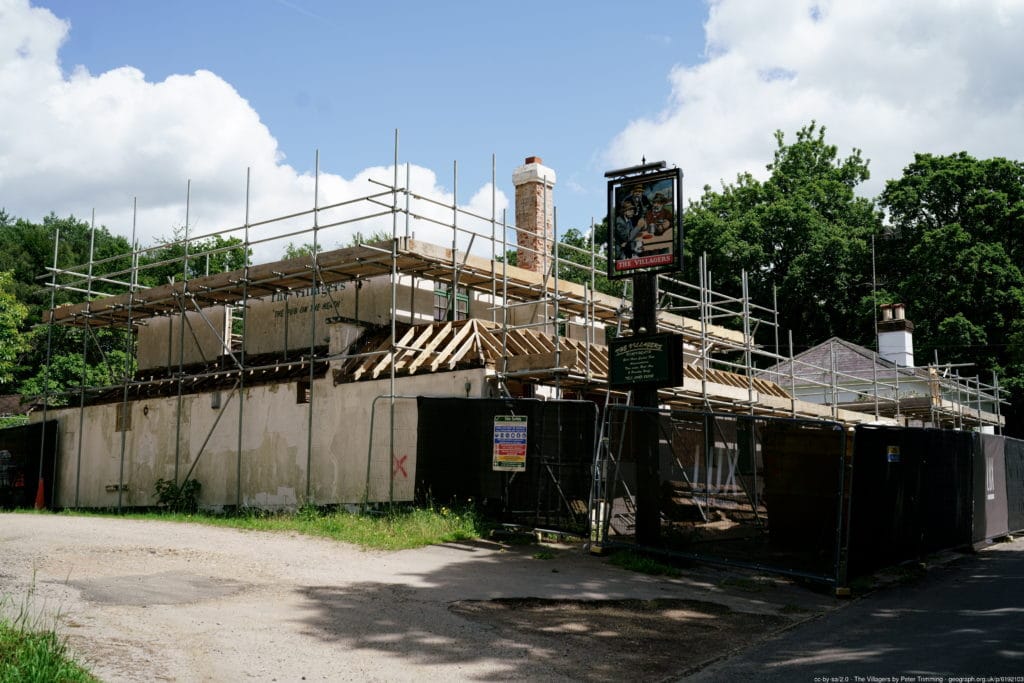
[{"x": 962, "y": 619}]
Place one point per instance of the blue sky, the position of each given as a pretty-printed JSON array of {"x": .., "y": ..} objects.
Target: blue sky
[
  {"x": 123, "y": 99},
  {"x": 459, "y": 80}
]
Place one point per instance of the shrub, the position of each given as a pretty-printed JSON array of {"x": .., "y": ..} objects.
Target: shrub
[{"x": 178, "y": 498}]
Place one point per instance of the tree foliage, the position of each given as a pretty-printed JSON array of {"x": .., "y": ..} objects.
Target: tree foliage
[
  {"x": 97, "y": 357},
  {"x": 292, "y": 250},
  {"x": 12, "y": 342},
  {"x": 947, "y": 237},
  {"x": 27, "y": 251},
  {"x": 803, "y": 231},
  {"x": 574, "y": 252},
  {"x": 954, "y": 254},
  {"x": 166, "y": 261}
]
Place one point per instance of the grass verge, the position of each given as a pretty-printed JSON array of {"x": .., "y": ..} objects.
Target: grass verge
[
  {"x": 30, "y": 652},
  {"x": 635, "y": 562},
  {"x": 399, "y": 529}
]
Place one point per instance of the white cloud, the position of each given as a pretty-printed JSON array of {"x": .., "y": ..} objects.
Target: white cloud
[
  {"x": 889, "y": 78},
  {"x": 70, "y": 143}
]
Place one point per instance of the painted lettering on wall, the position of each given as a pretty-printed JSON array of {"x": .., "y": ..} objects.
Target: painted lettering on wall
[
  {"x": 299, "y": 310},
  {"x": 321, "y": 290}
]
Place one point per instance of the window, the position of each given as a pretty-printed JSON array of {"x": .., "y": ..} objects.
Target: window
[
  {"x": 302, "y": 391},
  {"x": 123, "y": 421},
  {"x": 442, "y": 303}
]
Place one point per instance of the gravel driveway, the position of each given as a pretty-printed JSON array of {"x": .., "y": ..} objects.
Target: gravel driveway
[{"x": 149, "y": 600}]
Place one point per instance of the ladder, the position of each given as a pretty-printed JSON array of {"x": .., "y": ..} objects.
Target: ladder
[{"x": 605, "y": 479}]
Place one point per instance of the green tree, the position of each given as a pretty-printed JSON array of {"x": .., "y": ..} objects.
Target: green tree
[
  {"x": 803, "y": 231},
  {"x": 12, "y": 342},
  {"x": 106, "y": 362},
  {"x": 166, "y": 261},
  {"x": 985, "y": 197},
  {"x": 955, "y": 253},
  {"x": 292, "y": 250},
  {"x": 574, "y": 259},
  {"x": 26, "y": 249}
]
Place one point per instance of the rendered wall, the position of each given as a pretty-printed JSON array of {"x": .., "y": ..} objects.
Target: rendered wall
[
  {"x": 160, "y": 338},
  {"x": 282, "y": 322},
  {"x": 274, "y": 451}
]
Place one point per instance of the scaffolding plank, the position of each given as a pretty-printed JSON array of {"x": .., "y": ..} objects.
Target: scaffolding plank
[{"x": 567, "y": 358}]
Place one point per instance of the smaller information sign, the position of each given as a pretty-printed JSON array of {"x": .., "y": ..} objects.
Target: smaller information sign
[
  {"x": 653, "y": 360},
  {"x": 509, "y": 443}
]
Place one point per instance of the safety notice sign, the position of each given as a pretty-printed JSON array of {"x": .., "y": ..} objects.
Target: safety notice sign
[{"x": 509, "y": 443}]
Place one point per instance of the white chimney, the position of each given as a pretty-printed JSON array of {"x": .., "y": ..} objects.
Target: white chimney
[
  {"x": 896, "y": 336},
  {"x": 534, "y": 183}
]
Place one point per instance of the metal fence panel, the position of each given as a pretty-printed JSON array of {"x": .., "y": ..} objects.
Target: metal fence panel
[
  {"x": 990, "y": 509},
  {"x": 455, "y": 446},
  {"x": 1014, "y": 454},
  {"x": 734, "y": 489}
]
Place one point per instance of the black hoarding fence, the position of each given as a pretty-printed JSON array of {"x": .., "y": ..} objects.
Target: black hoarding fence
[
  {"x": 469, "y": 449},
  {"x": 911, "y": 494},
  {"x": 809, "y": 498},
  {"x": 19, "y": 464},
  {"x": 735, "y": 489},
  {"x": 1014, "y": 455},
  {"x": 918, "y": 491},
  {"x": 990, "y": 510}
]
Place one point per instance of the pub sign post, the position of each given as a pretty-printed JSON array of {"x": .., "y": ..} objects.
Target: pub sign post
[{"x": 644, "y": 239}]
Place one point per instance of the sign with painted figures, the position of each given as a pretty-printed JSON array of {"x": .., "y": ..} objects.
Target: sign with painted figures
[
  {"x": 509, "y": 454},
  {"x": 645, "y": 223}
]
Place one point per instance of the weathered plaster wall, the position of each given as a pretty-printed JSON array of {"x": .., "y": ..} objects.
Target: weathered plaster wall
[
  {"x": 284, "y": 321},
  {"x": 160, "y": 338},
  {"x": 274, "y": 449}
]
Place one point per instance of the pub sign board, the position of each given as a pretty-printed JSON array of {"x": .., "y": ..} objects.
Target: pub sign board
[
  {"x": 645, "y": 223},
  {"x": 650, "y": 360}
]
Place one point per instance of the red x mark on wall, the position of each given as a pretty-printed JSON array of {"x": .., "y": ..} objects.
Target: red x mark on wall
[{"x": 400, "y": 466}]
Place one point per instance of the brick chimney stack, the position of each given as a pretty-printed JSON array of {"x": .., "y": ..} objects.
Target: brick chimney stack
[{"x": 534, "y": 183}]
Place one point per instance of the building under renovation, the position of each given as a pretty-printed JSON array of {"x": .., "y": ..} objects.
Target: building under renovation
[
  {"x": 474, "y": 363},
  {"x": 309, "y": 380}
]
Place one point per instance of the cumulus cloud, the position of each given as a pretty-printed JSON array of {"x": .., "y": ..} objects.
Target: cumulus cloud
[
  {"x": 71, "y": 142},
  {"x": 888, "y": 78}
]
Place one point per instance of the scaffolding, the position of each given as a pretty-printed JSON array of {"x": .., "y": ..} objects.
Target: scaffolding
[{"x": 561, "y": 347}]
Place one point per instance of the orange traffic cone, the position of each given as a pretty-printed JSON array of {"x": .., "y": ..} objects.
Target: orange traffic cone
[{"x": 40, "y": 496}]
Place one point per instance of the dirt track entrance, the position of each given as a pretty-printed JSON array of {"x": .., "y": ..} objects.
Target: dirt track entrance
[{"x": 144, "y": 601}]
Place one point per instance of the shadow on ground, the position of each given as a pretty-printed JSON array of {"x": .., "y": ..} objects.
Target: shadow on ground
[
  {"x": 541, "y": 624},
  {"x": 962, "y": 619}
]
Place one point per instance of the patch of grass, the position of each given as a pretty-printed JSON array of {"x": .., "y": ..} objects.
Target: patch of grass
[
  {"x": 910, "y": 572},
  {"x": 636, "y": 562},
  {"x": 30, "y": 652},
  {"x": 544, "y": 555},
  {"x": 397, "y": 529},
  {"x": 513, "y": 537}
]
